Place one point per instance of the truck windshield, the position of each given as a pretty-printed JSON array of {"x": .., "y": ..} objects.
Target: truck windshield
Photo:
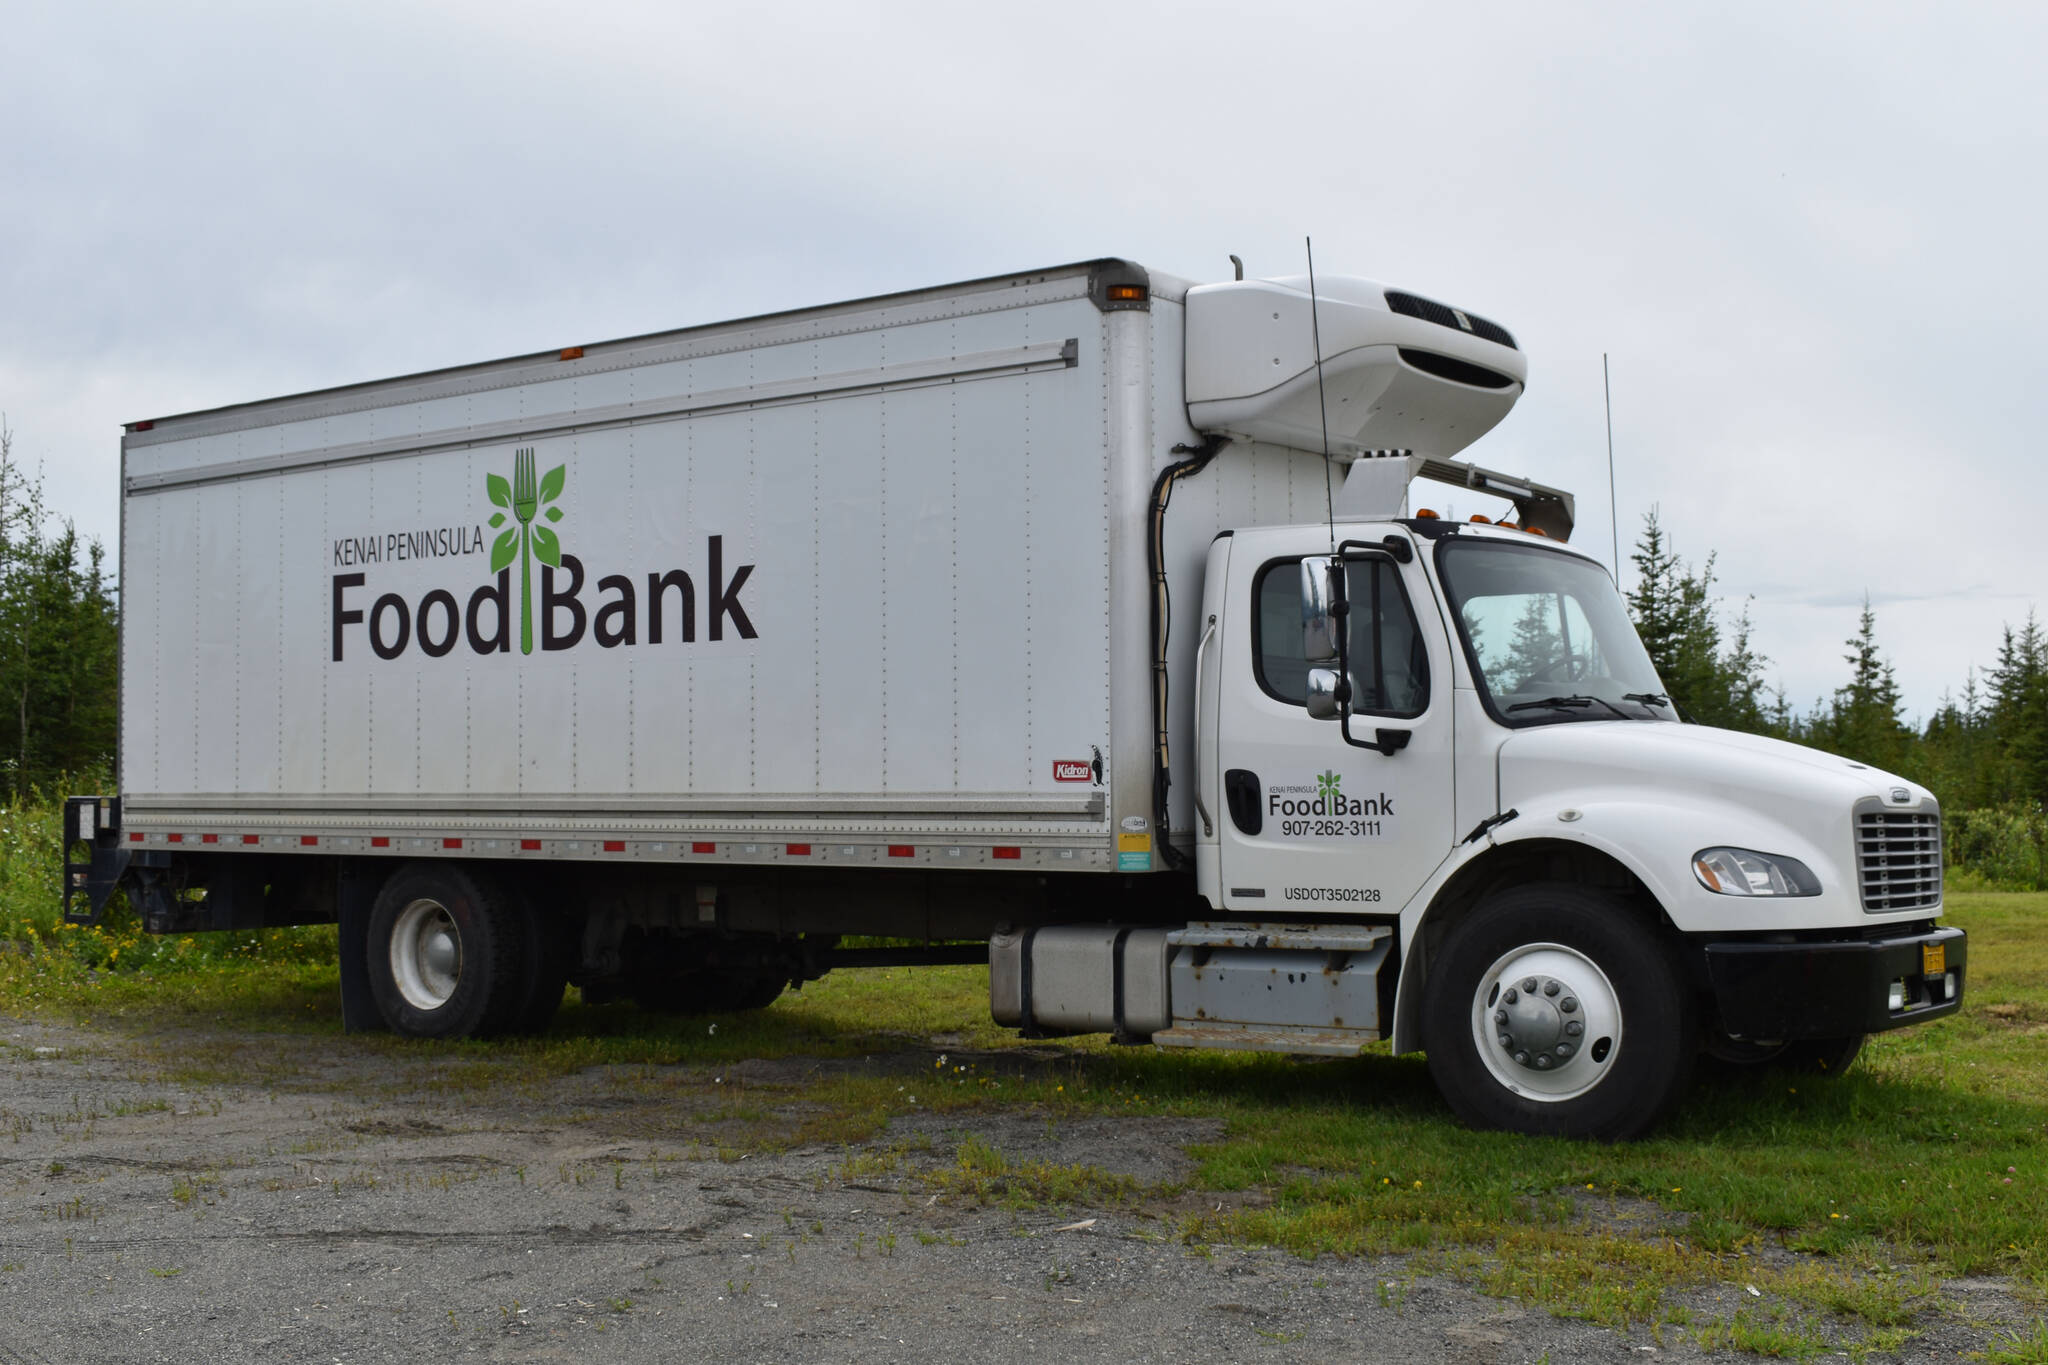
[{"x": 1548, "y": 636}]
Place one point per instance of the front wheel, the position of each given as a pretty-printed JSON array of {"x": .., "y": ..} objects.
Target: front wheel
[
  {"x": 1554, "y": 1009},
  {"x": 1824, "y": 1057}
]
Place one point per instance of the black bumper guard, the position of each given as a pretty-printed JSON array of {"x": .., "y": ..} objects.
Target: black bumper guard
[{"x": 1788, "y": 991}]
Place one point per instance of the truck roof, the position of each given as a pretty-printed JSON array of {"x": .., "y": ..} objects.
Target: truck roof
[{"x": 1107, "y": 269}]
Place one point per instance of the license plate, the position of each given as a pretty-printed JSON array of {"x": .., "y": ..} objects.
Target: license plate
[{"x": 1933, "y": 958}]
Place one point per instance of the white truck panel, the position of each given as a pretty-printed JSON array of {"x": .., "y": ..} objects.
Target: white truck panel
[{"x": 927, "y": 585}]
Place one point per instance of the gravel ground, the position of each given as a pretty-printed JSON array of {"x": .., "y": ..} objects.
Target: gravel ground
[{"x": 357, "y": 1213}]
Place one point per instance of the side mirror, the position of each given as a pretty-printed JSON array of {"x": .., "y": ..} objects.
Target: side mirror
[
  {"x": 1323, "y": 685},
  {"x": 1318, "y": 622}
]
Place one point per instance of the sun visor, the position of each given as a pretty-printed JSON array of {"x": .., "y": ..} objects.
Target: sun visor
[{"x": 1399, "y": 371}]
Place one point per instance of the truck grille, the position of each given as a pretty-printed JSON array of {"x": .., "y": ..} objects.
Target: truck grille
[
  {"x": 1429, "y": 310},
  {"x": 1898, "y": 860}
]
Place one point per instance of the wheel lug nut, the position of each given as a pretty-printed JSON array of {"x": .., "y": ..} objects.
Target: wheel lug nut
[
  {"x": 1542, "y": 1062},
  {"x": 1522, "y": 1059},
  {"x": 1507, "y": 1040},
  {"x": 1551, "y": 988},
  {"x": 1510, "y": 997},
  {"x": 1564, "y": 1049},
  {"x": 1573, "y": 1028},
  {"x": 1530, "y": 985},
  {"x": 1500, "y": 1016},
  {"x": 1569, "y": 1004}
]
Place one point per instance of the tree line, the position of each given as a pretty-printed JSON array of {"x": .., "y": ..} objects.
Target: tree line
[
  {"x": 1984, "y": 753},
  {"x": 59, "y": 642}
]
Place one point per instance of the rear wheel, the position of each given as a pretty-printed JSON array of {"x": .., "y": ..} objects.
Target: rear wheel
[
  {"x": 445, "y": 954},
  {"x": 544, "y": 966},
  {"x": 1555, "y": 1009}
]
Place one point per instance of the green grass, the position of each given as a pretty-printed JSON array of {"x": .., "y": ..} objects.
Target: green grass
[{"x": 1929, "y": 1159}]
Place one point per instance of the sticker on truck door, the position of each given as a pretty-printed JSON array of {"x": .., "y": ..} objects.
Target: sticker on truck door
[{"x": 1322, "y": 810}]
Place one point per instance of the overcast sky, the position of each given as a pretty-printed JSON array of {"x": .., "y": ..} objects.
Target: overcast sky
[{"x": 1809, "y": 237}]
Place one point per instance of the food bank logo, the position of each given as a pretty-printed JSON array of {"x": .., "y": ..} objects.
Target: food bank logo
[
  {"x": 437, "y": 622},
  {"x": 523, "y": 498}
]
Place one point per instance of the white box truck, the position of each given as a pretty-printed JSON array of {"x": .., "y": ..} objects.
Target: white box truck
[{"x": 1075, "y": 616}]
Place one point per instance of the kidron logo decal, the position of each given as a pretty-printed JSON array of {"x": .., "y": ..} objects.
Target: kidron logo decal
[{"x": 438, "y": 622}]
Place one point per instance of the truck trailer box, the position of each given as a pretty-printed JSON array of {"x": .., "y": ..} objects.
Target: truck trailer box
[{"x": 864, "y": 584}]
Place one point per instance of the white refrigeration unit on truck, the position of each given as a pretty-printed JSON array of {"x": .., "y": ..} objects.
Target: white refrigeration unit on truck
[{"x": 1013, "y": 618}]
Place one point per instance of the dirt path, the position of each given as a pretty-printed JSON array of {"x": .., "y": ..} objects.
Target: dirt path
[{"x": 359, "y": 1212}]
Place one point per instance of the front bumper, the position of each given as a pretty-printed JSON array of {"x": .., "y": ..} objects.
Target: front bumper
[{"x": 1772, "y": 992}]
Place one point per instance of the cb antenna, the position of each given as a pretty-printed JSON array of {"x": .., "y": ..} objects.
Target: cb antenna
[
  {"x": 1315, "y": 325},
  {"x": 1613, "y": 517}
]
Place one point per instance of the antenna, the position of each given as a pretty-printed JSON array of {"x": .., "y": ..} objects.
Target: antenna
[
  {"x": 1613, "y": 517},
  {"x": 1315, "y": 324}
]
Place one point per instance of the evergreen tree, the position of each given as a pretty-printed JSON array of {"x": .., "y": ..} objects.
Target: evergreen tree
[
  {"x": 1535, "y": 653},
  {"x": 1676, "y": 616},
  {"x": 1864, "y": 721},
  {"x": 1739, "y": 682},
  {"x": 2017, "y": 714},
  {"x": 58, "y": 641}
]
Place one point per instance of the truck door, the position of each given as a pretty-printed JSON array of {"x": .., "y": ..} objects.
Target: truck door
[{"x": 1312, "y": 825}]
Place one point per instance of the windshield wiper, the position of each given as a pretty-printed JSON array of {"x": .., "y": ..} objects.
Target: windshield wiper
[
  {"x": 1659, "y": 699},
  {"x": 1577, "y": 702}
]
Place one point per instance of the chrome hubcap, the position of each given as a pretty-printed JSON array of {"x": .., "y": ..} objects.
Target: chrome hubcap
[
  {"x": 426, "y": 954},
  {"x": 1538, "y": 1022},
  {"x": 1546, "y": 1021}
]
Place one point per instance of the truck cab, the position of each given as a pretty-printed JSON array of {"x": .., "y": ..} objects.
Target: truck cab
[{"x": 1452, "y": 729}]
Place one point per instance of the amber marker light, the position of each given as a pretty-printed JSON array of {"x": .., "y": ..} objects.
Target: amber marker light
[
  {"x": 1483, "y": 521},
  {"x": 572, "y": 353},
  {"x": 1425, "y": 514},
  {"x": 1127, "y": 293}
]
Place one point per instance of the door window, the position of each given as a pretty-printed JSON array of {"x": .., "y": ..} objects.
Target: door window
[{"x": 1389, "y": 664}]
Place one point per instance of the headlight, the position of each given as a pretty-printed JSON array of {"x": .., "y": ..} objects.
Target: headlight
[{"x": 1745, "y": 872}]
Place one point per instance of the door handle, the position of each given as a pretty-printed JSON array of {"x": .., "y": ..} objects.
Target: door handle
[{"x": 1241, "y": 794}]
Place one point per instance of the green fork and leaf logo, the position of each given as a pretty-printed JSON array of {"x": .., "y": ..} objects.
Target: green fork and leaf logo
[
  {"x": 1328, "y": 786},
  {"x": 525, "y": 498}
]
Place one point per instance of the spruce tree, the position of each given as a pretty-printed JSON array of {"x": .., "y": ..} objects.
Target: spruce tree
[
  {"x": 58, "y": 642},
  {"x": 1864, "y": 721}
]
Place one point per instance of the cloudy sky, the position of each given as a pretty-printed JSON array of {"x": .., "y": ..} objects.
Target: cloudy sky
[{"x": 1809, "y": 237}]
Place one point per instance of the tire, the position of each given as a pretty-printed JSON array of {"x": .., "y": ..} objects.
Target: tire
[
  {"x": 447, "y": 953},
  {"x": 1822, "y": 1057},
  {"x": 544, "y": 968},
  {"x": 1595, "y": 962}
]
